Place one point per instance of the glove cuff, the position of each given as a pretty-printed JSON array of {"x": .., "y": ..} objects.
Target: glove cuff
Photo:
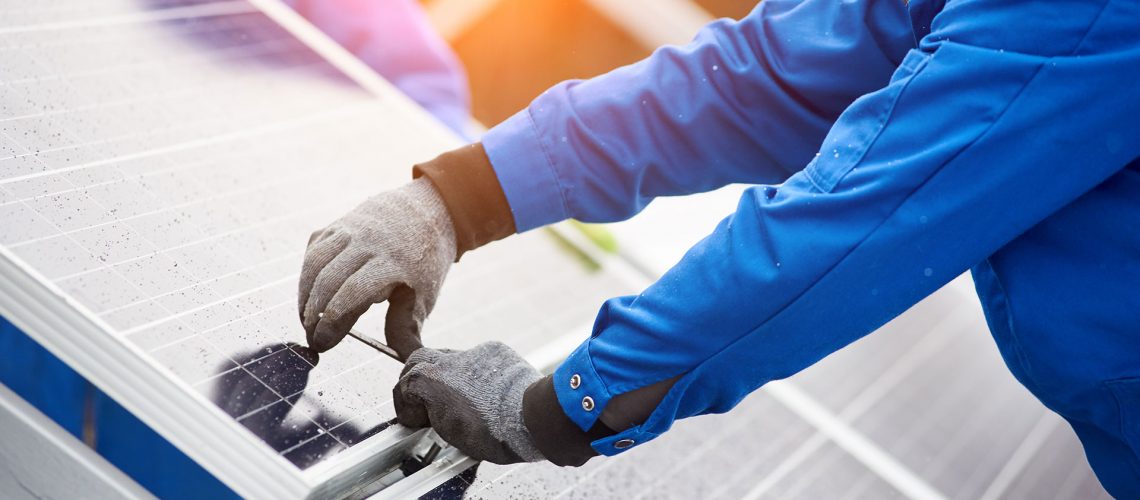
[
  {"x": 470, "y": 189},
  {"x": 553, "y": 433},
  {"x": 521, "y": 442}
]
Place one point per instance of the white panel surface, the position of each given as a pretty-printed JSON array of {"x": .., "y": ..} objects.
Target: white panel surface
[{"x": 162, "y": 164}]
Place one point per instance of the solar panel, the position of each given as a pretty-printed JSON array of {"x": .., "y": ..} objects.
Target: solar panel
[{"x": 161, "y": 166}]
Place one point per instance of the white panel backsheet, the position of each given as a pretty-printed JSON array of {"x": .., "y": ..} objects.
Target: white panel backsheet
[{"x": 163, "y": 162}]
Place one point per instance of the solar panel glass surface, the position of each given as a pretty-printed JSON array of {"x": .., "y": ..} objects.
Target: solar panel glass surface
[{"x": 162, "y": 164}]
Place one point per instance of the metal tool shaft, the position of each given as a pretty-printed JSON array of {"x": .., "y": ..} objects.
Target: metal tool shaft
[{"x": 376, "y": 344}]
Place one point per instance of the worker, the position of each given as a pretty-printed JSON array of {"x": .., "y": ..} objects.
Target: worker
[{"x": 894, "y": 145}]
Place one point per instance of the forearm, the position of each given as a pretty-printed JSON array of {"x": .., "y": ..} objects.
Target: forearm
[{"x": 746, "y": 101}]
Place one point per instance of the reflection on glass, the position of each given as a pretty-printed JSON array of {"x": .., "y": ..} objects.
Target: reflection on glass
[
  {"x": 243, "y": 39},
  {"x": 266, "y": 396}
]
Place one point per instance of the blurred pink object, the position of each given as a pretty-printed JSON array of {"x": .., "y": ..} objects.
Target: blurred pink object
[{"x": 396, "y": 39}]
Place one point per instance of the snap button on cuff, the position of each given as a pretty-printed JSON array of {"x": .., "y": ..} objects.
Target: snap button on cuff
[
  {"x": 588, "y": 403},
  {"x": 622, "y": 444},
  {"x": 575, "y": 381}
]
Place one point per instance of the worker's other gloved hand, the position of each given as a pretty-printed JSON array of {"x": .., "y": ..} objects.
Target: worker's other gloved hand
[
  {"x": 472, "y": 398},
  {"x": 396, "y": 246}
]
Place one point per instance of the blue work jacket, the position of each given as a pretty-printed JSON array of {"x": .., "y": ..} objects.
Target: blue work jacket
[{"x": 895, "y": 146}]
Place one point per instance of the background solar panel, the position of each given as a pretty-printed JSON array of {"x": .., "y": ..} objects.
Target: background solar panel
[{"x": 163, "y": 162}]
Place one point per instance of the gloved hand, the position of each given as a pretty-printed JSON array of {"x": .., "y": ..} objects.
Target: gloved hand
[
  {"x": 396, "y": 246},
  {"x": 472, "y": 398}
]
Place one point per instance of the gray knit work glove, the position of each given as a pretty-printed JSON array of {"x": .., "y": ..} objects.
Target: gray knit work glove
[
  {"x": 396, "y": 246},
  {"x": 472, "y": 398}
]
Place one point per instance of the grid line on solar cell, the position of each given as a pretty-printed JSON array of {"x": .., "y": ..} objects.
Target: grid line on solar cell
[
  {"x": 115, "y": 72},
  {"x": 248, "y": 133},
  {"x": 205, "y": 239},
  {"x": 224, "y": 300}
]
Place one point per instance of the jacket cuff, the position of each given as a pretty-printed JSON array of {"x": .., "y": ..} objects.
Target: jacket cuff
[
  {"x": 470, "y": 190},
  {"x": 553, "y": 433},
  {"x": 526, "y": 172},
  {"x": 583, "y": 397}
]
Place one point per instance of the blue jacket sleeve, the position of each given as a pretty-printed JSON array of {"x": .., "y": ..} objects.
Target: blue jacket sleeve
[
  {"x": 1005, "y": 114},
  {"x": 746, "y": 101}
]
